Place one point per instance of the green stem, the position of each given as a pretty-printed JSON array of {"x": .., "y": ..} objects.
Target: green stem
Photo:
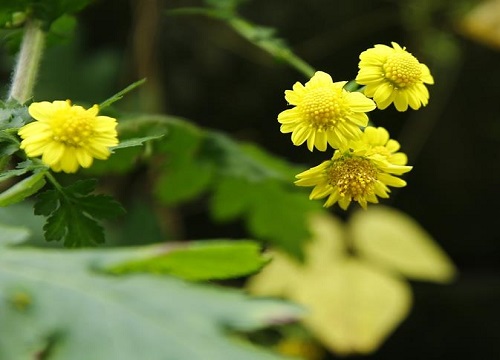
[
  {"x": 28, "y": 60},
  {"x": 54, "y": 182}
]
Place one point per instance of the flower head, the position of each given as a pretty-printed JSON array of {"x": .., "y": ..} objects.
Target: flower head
[
  {"x": 393, "y": 75},
  {"x": 359, "y": 172},
  {"x": 324, "y": 113},
  {"x": 67, "y": 136}
]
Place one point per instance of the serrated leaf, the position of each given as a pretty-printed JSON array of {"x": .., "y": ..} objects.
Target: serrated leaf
[
  {"x": 394, "y": 240},
  {"x": 22, "y": 189},
  {"x": 201, "y": 260},
  {"x": 82, "y": 187},
  {"x": 73, "y": 214},
  {"x": 353, "y": 305},
  {"x": 46, "y": 203},
  {"x": 57, "y": 297}
]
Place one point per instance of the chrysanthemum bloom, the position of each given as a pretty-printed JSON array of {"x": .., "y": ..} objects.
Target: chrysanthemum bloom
[
  {"x": 359, "y": 172},
  {"x": 67, "y": 136},
  {"x": 324, "y": 113},
  {"x": 393, "y": 75}
]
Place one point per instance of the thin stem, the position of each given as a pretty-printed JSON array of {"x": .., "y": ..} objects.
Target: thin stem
[
  {"x": 28, "y": 60},
  {"x": 54, "y": 182}
]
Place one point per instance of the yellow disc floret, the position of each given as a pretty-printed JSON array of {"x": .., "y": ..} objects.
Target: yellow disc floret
[
  {"x": 392, "y": 75},
  {"x": 323, "y": 107},
  {"x": 354, "y": 177},
  {"x": 403, "y": 69},
  {"x": 324, "y": 113},
  {"x": 361, "y": 171}
]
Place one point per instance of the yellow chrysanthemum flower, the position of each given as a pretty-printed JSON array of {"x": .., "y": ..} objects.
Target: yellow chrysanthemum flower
[
  {"x": 324, "y": 113},
  {"x": 359, "y": 172},
  {"x": 393, "y": 75},
  {"x": 67, "y": 136}
]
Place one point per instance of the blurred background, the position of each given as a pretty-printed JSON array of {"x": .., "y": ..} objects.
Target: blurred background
[{"x": 200, "y": 69}]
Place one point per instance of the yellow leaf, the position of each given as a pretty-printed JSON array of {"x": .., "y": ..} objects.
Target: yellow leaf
[
  {"x": 482, "y": 23},
  {"x": 394, "y": 240},
  {"x": 283, "y": 272},
  {"x": 354, "y": 306}
]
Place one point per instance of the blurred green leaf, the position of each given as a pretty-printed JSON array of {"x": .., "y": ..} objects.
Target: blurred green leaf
[
  {"x": 272, "y": 212},
  {"x": 54, "y": 300},
  {"x": 261, "y": 36},
  {"x": 201, "y": 260},
  {"x": 21, "y": 168},
  {"x": 13, "y": 234},
  {"x": 23, "y": 189}
]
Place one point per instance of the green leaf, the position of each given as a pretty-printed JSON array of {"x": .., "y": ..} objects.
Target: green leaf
[
  {"x": 273, "y": 212},
  {"x": 261, "y": 36},
  {"x": 201, "y": 260},
  {"x": 21, "y": 168},
  {"x": 13, "y": 116},
  {"x": 13, "y": 234},
  {"x": 135, "y": 142},
  {"x": 73, "y": 214},
  {"x": 23, "y": 189},
  {"x": 119, "y": 95},
  {"x": 54, "y": 300}
]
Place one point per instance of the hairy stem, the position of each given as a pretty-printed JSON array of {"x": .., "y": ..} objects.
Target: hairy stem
[{"x": 28, "y": 60}]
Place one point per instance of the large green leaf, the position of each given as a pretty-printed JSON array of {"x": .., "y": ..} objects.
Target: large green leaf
[
  {"x": 58, "y": 303},
  {"x": 201, "y": 260}
]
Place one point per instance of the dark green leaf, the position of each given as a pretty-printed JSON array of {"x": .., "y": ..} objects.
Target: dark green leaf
[
  {"x": 46, "y": 203},
  {"x": 100, "y": 206},
  {"x": 82, "y": 187},
  {"x": 73, "y": 214}
]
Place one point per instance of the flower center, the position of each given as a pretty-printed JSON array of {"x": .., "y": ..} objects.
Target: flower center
[
  {"x": 72, "y": 130},
  {"x": 403, "y": 69},
  {"x": 323, "y": 107},
  {"x": 354, "y": 177}
]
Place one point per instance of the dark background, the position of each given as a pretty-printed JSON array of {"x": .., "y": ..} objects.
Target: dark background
[{"x": 199, "y": 69}]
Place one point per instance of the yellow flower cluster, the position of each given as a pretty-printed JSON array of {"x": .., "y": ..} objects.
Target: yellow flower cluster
[{"x": 366, "y": 161}]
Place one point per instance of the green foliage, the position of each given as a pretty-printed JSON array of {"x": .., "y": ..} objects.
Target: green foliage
[
  {"x": 201, "y": 260},
  {"x": 244, "y": 180},
  {"x": 56, "y": 303},
  {"x": 72, "y": 213},
  {"x": 261, "y": 36},
  {"x": 23, "y": 189},
  {"x": 44, "y": 10}
]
